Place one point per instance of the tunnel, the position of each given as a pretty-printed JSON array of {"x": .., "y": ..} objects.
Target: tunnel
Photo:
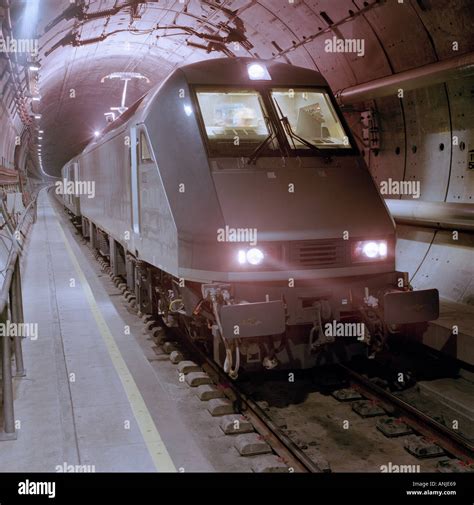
[{"x": 131, "y": 342}]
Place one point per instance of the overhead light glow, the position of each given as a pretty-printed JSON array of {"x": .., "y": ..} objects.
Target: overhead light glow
[
  {"x": 96, "y": 133},
  {"x": 37, "y": 116},
  {"x": 36, "y": 98},
  {"x": 34, "y": 68},
  {"x": 188, "y": 110},
  {"x": 40, "y": 131},
  {"x": 258, "y": 72}
]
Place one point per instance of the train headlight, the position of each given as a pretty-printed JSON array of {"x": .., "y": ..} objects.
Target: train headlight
[
  {"x": 252, "y": 256},
  {"x": 255, "y": 256},
  {"x": 370, "y": 250},
  {"x": 258, "y": 72}
]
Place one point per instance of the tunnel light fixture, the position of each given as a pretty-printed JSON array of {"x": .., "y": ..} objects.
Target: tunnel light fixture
[
  {"x": 34, "y": 68},
  {"x": 40, "y": 131},
  {"x": 37, "y": 116},
  {"x": 96, "y": 133},
  {"x": 36, "y": 98},
  {"x": 40, "y": 138},
  {"x": 258, "y": 72}
]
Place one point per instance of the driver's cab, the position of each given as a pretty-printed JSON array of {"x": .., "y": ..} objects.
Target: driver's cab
[{"x": 237, "y": 121}]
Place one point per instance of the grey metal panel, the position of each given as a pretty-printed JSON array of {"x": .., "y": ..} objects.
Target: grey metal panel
[
  {"x": 134, "y": 195},
  {"x": 253, "y": 319},
  {"x": 461, "y": 181},
  {"x": 250, "y": 199},
  {"x": 449, "y": 267},
  {"x": 109, "y": 166},
  {"x": 158, "y": 239},
  {"x": 429, "y": 133},
  {"x": 390, "y": 160},
  {"x": 401, "y": 33},
  {"x": 353, "y": 271},
  {"x": 404, "y": 307},
  {"x": 229, "y": 71},
  {"x": 412, "y": 246},
  {"x": 334, "y": 66},
  {"x": 182, "y": 160},
  {"x": 448, "y": 22}
]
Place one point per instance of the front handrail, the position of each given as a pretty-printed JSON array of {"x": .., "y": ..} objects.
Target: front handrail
[
  {"x": 17, "y": 247},
  {"x": 11, "y": 305}
]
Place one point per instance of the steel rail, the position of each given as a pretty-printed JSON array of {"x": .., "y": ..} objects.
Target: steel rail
[
  {"x": 450, "y": 441},
  {"x": 288, "y": 451}
]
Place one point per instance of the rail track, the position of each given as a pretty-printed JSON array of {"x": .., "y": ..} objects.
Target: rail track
[{"x": 450, "y": 441}]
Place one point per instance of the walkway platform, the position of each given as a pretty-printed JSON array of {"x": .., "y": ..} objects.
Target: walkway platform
[{"x": 91, "y": 396}]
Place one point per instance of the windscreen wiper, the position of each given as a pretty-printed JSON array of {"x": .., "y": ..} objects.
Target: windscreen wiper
[
  {"x": 289, "y": 130},
  {"x": 256, "y": 153}
]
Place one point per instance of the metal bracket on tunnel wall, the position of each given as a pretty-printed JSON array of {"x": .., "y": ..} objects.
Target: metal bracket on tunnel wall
[{"x": 370, "y": 130}]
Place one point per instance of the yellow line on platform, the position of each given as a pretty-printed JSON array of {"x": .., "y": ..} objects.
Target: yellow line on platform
[{"x": 151, "y": 436}]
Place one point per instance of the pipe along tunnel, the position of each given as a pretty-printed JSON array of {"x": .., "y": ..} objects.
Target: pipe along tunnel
[{"x": 277, "y": 189}]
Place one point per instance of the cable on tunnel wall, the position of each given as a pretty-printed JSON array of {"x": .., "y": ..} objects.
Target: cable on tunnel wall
[{"x": 425, "y": 255}]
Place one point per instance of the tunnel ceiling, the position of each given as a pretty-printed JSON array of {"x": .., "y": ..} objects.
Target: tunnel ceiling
[{"x": 82, "y": 42}]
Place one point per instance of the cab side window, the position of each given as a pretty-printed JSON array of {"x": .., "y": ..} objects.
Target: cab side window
[{"x": 145, "y": 153}]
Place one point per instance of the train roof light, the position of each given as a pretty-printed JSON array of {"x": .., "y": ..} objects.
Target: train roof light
[{"x": 258, "y": 72}]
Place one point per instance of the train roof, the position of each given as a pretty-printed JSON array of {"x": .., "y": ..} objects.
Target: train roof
[
  {"x": 234, "y": 71},
  {"x": 216, "y": 72}
]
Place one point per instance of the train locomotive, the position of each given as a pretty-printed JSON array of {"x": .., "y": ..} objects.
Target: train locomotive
[{"x": 234, "y": 202}]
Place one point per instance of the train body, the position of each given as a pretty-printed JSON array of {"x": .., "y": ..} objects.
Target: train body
[{"x": 233, "y": 201}]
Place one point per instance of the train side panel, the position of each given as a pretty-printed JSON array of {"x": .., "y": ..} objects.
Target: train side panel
[
  {"x": 107, "y": 165},
  {"x": 151, "y": 234}
]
